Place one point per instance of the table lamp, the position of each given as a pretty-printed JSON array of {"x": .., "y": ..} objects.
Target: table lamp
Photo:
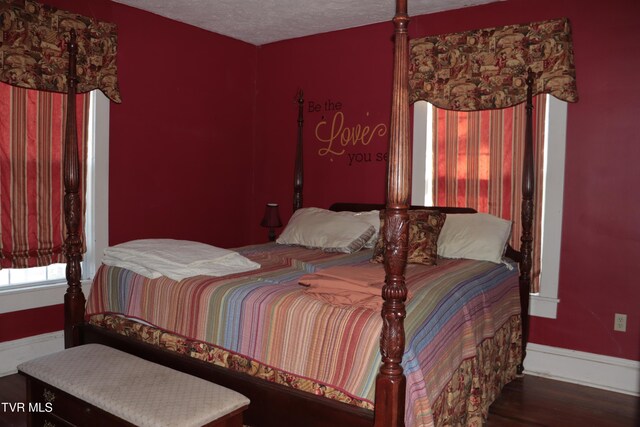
[{"x": 271, "y": 220}]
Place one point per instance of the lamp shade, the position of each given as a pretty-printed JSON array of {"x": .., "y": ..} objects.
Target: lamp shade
[{"x": 271, "y": 217}]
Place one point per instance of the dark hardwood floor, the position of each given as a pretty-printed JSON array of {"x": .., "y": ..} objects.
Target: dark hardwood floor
[
  {"x": 13, "y": 389},
  {"x": 528, "y": 401},
  {"x": 535, "y": 401}
]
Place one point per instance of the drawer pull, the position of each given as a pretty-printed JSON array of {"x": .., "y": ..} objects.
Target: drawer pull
[{"x": 49, "y": 396}]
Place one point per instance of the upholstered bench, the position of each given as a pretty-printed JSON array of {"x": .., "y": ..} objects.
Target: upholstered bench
[{"x": 95, "y": 385}]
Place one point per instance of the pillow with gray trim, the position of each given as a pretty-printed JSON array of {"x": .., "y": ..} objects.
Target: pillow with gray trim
[{"x": 326, "y": 230}]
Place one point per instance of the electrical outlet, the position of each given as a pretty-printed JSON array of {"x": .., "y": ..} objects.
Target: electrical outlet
[{"x": 620, "y": 323}]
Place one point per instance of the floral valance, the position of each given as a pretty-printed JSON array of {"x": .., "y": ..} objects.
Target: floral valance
[
  {"x": 33, "y": 49},
  {"x": 487, "y": 69}
]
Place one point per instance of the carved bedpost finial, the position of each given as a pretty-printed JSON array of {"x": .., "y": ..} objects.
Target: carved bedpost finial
[
  {"x": 298, "y": 178},
  {"x": 74, "y": 300},
  {"x": 391, "y": 382},
  {"x": 526, "y": 240}
]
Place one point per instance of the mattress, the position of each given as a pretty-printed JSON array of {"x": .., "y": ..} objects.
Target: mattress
[{"x": 264, "y": 318}]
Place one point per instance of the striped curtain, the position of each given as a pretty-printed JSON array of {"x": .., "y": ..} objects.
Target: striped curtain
[
  {"x": 478, "y": 163},
  {"x": 31, "y": 182}
]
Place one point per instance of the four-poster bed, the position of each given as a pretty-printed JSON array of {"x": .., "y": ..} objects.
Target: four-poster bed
[{"x": 275, "y": 404}]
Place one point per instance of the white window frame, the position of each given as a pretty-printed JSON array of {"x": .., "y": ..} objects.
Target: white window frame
[
  {"x": 97, "y": 220},
  {"x": 544, "y": 303}
]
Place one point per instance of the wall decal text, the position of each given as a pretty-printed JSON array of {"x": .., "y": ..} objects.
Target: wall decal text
[{"x": 338, "y": 137}]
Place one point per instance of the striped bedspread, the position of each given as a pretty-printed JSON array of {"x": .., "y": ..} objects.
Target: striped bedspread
[{"x": 266, "y": 316}]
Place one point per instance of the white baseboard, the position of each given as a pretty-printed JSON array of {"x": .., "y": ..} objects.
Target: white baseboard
[
  {"x": 593, "y": 370},
  {"x": 13, "y": 353}
]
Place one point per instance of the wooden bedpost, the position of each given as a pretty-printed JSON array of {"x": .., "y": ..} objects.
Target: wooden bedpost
[
  {"x": 298, "y": 177},
  {"x": 526, "y": 240},
  {"x": 391, "y": 382},
  {"x": 73, "y": 299}
]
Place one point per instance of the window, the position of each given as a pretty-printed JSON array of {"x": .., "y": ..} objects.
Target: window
[
  {"x": 545, "y": 302},
  {"x": 44, "y": 286},
  {"x": 13, "y": 277}
]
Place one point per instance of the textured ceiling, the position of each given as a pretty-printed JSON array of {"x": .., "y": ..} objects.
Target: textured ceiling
[{"x": 264, "y": 21}]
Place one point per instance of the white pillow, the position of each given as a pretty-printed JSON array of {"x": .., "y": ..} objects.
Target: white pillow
[
  {"x": 327, "y": 230},
  {"x": 477, "y": 236},
  {"x": 373, "y": 218}
]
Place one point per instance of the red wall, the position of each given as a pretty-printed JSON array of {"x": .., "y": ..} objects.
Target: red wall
[
  {"x": 339, "y": 78},
  {"x": 26, "y": 323},
  {"x": 601, "y": 235}
]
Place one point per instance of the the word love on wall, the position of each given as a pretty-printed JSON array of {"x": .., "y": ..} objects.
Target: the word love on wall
[{"x": 341, "y": 136}]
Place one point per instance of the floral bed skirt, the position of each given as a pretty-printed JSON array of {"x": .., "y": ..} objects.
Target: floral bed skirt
[{"x": 464, "y": 401}]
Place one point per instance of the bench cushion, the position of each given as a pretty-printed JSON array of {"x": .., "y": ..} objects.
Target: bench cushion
[{"x": 136, "y": 390}]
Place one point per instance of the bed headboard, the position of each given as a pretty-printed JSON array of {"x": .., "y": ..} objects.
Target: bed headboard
[{"x": 363, "y": 207}]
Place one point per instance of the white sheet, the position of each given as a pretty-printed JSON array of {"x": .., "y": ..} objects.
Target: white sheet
[{"x": 176, "y": 259}]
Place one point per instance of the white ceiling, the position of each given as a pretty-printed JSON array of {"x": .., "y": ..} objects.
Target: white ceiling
[{"x": 264, "y": 21}]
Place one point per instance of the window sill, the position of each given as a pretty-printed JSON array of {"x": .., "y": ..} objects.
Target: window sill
[
  {"x": 36, "y": 296},
  {"x": 542, "y": 306}
]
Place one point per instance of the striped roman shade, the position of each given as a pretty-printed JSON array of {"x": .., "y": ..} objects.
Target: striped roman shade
[
  {"x": 478, "y": 163},
  {"x": 31, "y": 182}
]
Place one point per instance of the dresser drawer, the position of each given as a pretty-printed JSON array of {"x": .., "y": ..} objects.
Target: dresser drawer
[{"x": 50, "y": 405}]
